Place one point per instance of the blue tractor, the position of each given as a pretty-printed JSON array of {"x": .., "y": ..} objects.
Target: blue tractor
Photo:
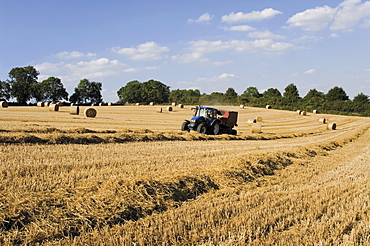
[{"x": 208, "y": 120}]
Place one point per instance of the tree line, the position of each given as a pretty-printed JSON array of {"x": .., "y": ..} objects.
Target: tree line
[{"x": 22, "y": 85}]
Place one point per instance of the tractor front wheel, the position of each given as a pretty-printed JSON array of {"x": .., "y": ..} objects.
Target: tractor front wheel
[
  {"x": 202, "y": 128},
  {"x": 184, "y": 126}
]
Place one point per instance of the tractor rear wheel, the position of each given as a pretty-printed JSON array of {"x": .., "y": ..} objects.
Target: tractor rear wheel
[
  {"x": 202, "y": 128},
  {"x": 216, "y": 128}
]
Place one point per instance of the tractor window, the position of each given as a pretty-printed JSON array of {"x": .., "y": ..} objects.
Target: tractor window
[{"x": 202, "y": 112}]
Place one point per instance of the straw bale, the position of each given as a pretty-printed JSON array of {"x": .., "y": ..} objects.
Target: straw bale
[
  {"x": 323, "y": 120},
  {"x": 315, "y": 111},
  {"x": 59, "y": 103},
  {"x": 4, "y": 104},
  {"x": 256, "y": 128},
  {"x": 40, "y": 104},
  {"x": 259, "y": 119},
  {"x": 331, "y": 126},
  {"x": 299, "y": 111},
  {"x": 90, "y": 112},
  {"x": 74, "y": 110},
  {"x": 159, "y": 110},
  {"x": 268, "y": 106},
  {"x": 101, "y": 104},
  {"x": 250, "y": 122},
  {"x": 304, "y": 113},
  {"x": 109, "y": 104},
  {"x": 46, "y": 104},
  {"x": 137, "y": 104},
  {"x": 151, "y": 103},
  {"x": 173, "y": 104},
  {"x": 53, "y": 107},
  {"x": 169, "y": 108},
  {"x": 241, "y": 106},
  {"x": 180, "y": 105}
]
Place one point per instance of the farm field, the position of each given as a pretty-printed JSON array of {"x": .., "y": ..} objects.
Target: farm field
[{"x": 129, "y": 176}]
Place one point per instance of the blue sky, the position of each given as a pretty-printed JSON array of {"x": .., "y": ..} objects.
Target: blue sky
[{"x": 209, "y": 45}]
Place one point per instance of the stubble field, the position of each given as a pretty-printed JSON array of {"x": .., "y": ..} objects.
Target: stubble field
[{"x": 130, "y": 177}]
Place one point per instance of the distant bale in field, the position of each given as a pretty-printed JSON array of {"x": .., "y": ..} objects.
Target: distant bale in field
[
  {"x": 268, "y": 106},
  {"x": 259, "y": 119},
  {"x": 315, "y": 111},
  {"x": 151, "y": 104},
  {"x": 181, "y": 105},
  {"x": 90, "y": 112},
  {"x": 92, "y": 104},
  {"x": 40, "y": 104},
  {"x": 256, "y": 128},
  {"x": 304, "y": 113},
  {"x": 241, "y": 106},
  {"x": 59, "y": 103},
  {"x": 250, "y": 122},
  {"x": 74, "y": 110},
  {"x": 299, "y": 111},
  {"x": 173, "y": 104},
  {"x": 169, "y": 108},
  {"x": 46, "y": 104},
  {"x": 109, "y": 104},
  {"x": 101, "y": 104},
  {"x": 331, "y": 126},
  {"x": 323, "y": 121},
  {"x": 53, "y": 107},
  {"x": 4, "y": 104},
  {"x": 159, "y": 110},
  {"x": 137, "y": 104}
]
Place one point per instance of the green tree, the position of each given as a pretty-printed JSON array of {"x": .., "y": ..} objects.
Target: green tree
[
  {"x": 252, "y": 92},
  {"x": 361, "y": 98},
  {"x": 21, "y": 81},
  {"x": 313, "y": 93},
  {"x": 155, "y": 91},
  {"x": 272, "y": 93},
  {"x": 4, "y": 90},
  {"x": 336, "y": 93},
  {"x": 53, "y": 89},
  {"x": 130, "y": 93},
  {"x": 231, "y": 96},
  {"x": 87, "y": 92},
  {"x": 185, "y": 96},
  {"x": 291, "y": 93}
]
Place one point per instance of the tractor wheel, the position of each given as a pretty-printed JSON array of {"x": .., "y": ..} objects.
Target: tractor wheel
[
  {"x": 184, "y": 126},
  {"x": 202, "y": 128},
  {"x": 215, "y": 128}
]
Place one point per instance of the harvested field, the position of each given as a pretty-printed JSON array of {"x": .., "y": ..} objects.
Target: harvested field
[{"x": 129, "y": 176}]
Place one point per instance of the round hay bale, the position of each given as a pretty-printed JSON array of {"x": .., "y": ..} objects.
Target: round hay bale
[
  {"x": 304, "y": 113},
  {"x": 101, "y": 104},
  {"x": 159, "y": 110},
  {"x": 323, "y": 121},
  {"x": 93, "y": 104},
  {"x": 181, "y": 105},
  {"x": 4, "y": 104},
  {"x": 169, "y": 108},
  {"x": 46, "y": 104},
  {"x": 173, "y": 104},
  {"x": 250, "y": 122},
  {"x": 331, "y": 126},
  {"x": 40, "y": 104},
  {"x": 268, "y": 106},
  {"x": 151, "y": 103},
  {"x": 315, "y": 111},
  {"x": 90, "y": 112},
  {"x": 137, "y": 104},
  {"x": 109, "y": 104},
  {"x": 53, "y": 107},
  {"x": 241, "y": 106},
  {"x": 74, "y": 110},
  {"x": 299, "y": 111},
  {"x": 256, "y": 128},
  {"x": 259, "y": 119},
  {"x": 59, "y": 103}
]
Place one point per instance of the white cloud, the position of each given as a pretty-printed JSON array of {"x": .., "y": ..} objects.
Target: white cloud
[
  {"x": 145, "y": 51},
  {"x": 240, "y": 28},
  {"x": 350, "y": 13},
  {"x": 252, "y": 16},
  {"x": 310, "y": 71},
  {"x": 347, "y": 15},
  {"x": 221, "y": 63},
  {"x": 313, "y": 19},
  {"x": 71, "y": 73},
  {"x": 204, "y": 18},
  {"x": 367, "y": 70},
  {"x": 220, "y": 78},
  {"x": 73, "y": 54},
  {"x": 199, "y": 48},
  {"x": 265, "y": 35}
]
